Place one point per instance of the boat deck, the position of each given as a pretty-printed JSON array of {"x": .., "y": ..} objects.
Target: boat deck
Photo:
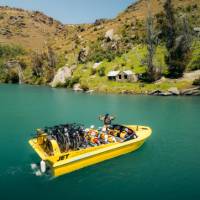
[{"x": 141, "y": 131}]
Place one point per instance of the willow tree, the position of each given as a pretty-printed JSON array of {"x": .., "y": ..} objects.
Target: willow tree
[
  {"x": 151, "y": 42},
  {"x": 177, "y": 44}
]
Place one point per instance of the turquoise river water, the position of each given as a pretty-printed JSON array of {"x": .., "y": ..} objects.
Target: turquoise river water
[{"x": 166, "y": 167}]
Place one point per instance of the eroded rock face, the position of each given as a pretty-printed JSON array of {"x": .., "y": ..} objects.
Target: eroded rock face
[
  {"x": 61, "y": 76},
  {"x": 99, "y": 22},
  {"x": 14, "y": 72},
  {"x": 6, "y": 32},
  {"x": 40, "y": 17},
  {"x": 82, "y": 57},
  {"x": 109, "y": 35}
]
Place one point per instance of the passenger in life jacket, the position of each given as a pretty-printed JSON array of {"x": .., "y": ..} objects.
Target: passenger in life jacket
[
  {"x": 104, "y": 135},
  {"x": 92, "y": 136},
  {"x": 111, "y": 139},
  {"x": 107, "y": 119}
]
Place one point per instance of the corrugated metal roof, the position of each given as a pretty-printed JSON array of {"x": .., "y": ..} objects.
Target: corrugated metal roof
[
  {"x": 113, "y": 73},
  {"x": 128, "y": 72}
]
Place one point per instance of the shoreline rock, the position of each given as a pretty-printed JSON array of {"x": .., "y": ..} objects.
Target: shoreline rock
[
  {"x": 174, "y": 91},
  {"x": 61, "y": 76},
  {"x": 195, "y": 91},
  {"x": 77, "y": 88}
]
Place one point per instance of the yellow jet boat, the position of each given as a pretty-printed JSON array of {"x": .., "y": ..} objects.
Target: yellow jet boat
[{"x": 61, "y": 159}]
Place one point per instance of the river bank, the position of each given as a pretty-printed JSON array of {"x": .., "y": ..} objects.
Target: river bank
[
  {"x": 163, "y": 87},
  {"x": 173, "y": 91},
  {"x": 194, "y": 91}
]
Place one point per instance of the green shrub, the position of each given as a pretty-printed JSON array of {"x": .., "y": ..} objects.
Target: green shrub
[
  {"x": 73, "y": 81},
  {"x": 188, "y": 8},
  {"x": 101, "y": 71},
  {"x": 67, "y": 83},
  {"x": 93, "y": 71},
  {"x": 3, "y": 75},
  {"x": 85, "y": 87},
  {"x": 98, "y": 54},
  {"x": 10, "y": 51},
  {"x": 194, "y": 63},
  {"x": 70, "y": 82}
]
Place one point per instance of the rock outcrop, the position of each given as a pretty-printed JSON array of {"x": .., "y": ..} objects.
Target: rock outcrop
[
  {"x": 96, "y": 65},
  {"x": 174, "y": 91},
  {"x": 82, "y": 56},
  {"x": 195, "y": 91},
  {"x": 61, "y": 76},
  {"x": 109, "y": 35},
  {"x": 160, "y": 93},
  {"x": 15, "y": 72},
  {"x": 77, "y": 87},
  {"x": 191, "y": 92}
]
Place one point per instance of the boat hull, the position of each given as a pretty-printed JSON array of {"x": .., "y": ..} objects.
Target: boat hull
[
  {"x": 63, "y": 163},
  {"x": 95, "y": 158}
]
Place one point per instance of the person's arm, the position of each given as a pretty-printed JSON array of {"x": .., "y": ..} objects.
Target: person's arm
[
  {"x": 112, "y": 117},
  {"x": 101, "y": 117}
]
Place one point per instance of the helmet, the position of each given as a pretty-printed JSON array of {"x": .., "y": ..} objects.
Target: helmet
[
  {"x": 86, "y": 130},
  {"x": 92, "y": 127}
]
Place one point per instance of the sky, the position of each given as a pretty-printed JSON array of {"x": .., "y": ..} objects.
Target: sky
[{"x": 73, "y": 11}]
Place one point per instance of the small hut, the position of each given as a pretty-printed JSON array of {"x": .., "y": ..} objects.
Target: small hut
[
  {"x": 112, "y": 75},
  {"x": 123, "y": 76}
]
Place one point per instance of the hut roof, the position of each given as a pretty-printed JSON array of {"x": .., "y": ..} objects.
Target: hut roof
[
  {"x": 113, "y": 73},
  {"x": 128, "y": 72}
]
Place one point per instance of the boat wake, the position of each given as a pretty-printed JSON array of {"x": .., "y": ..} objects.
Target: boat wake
[
  {"x": 29, "y": 169},
  {"x": 13, "y": 170},
  {"x": 36, "y": 169}
]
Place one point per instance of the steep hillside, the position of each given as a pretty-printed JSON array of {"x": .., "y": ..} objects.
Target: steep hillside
[
  {"x": 41, "y": 45},
  {"x": 29, "y": 29},
  {"x": 34, "y": 29}
]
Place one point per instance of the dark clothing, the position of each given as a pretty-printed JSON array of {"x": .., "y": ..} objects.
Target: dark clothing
[{"x": 107, "y": 119}]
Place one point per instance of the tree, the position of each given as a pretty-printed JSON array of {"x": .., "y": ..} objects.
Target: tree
[
  {"x": 177, "y": 45},
  {"x": 52, "y": 59},
  {"x": 151, "y": 42},
  {"x": 170, "y": 25},
  {"x": 44, "y": 63},
  {"x": 187, "y": 33},
  {"x": 37, "y": 61},
  {"x": 170, "y": 38}
]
